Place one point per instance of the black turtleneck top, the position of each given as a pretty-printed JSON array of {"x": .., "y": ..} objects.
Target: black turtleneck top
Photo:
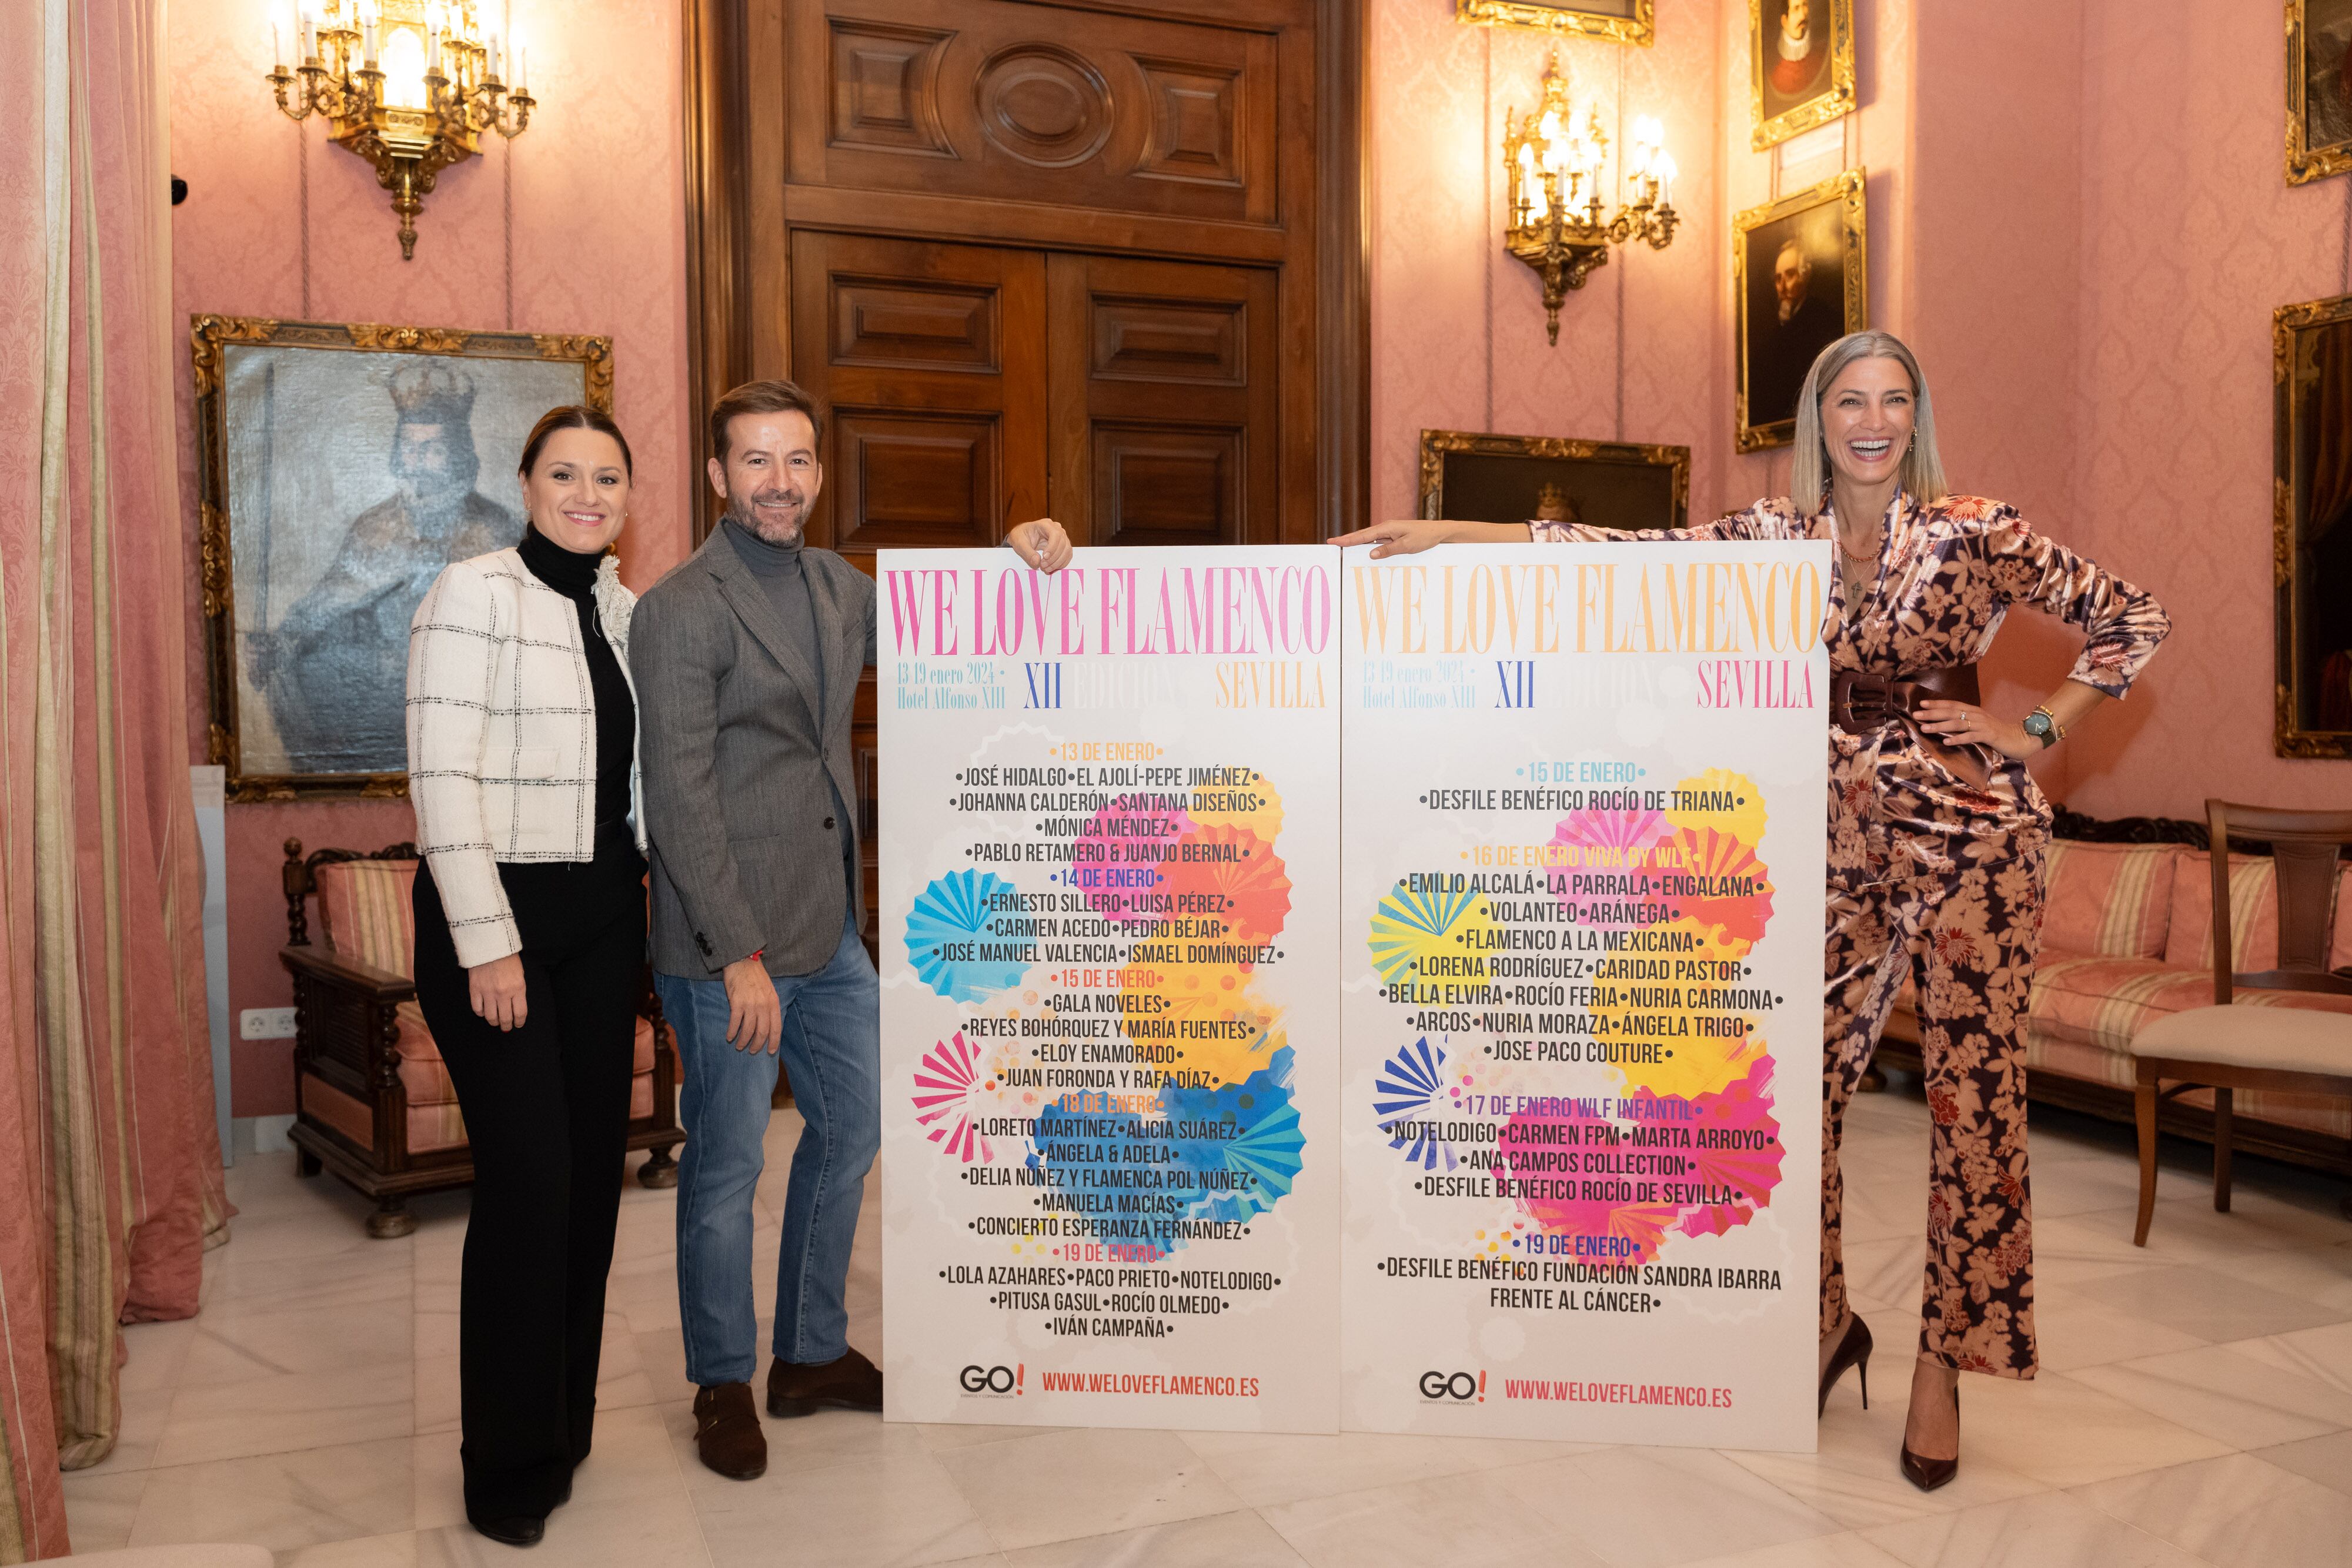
[{"x": 573, "y": 575}]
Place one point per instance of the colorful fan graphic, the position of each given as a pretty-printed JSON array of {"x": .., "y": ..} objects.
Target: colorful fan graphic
[
  {"x": 1719, "y": 885},
  {"x": 1413, "y": 923},
  {"x": 951, "y": 943},
  {"x": 1253, "y": 805},
  {"x": 1235, "y": 880},
  {"x": 1224, "y": 1153},
  {"x": 1736, "y": 1152},
  {"x": 947, "y": 1084},
  {"x": 1125, "y": 854},
  {"x": 1403, "y": 1095},
  {"x": 1547, "y": 1151}
]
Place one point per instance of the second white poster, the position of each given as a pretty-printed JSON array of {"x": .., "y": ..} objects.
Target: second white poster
[{"x": 1581, "y": 921}]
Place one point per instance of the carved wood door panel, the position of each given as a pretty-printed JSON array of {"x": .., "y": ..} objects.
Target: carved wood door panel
[
  {"x": 1166, "y": 410},
  {"x": 932, "y": 360},
  {"x": 1006, "y": 101}
]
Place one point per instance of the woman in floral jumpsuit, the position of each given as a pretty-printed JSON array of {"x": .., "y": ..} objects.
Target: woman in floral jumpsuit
[{"x": 1936, "y": 834}]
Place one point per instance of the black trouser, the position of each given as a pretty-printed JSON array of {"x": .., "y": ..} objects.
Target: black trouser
[{"x": 547, "y": 1111}]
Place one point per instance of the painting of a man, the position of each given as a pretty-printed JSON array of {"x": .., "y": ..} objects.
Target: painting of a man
[
  {"x": 1799, "y": 264},
  {"x": 1801, "y": 55},
  {"x": 351, "y": 479}
]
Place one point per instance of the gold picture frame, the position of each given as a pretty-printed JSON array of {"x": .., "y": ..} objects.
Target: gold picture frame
[
  {"x": 1618, "y": 21},
  {"x": 1505, "y": 478},
  {"x": 1825, "y": 223},
  {"x": 1790, "y": 96},
  {"x": 2311, "y": 527},
  {"x": 2318, "y": 134},
  {"x": 310, "y": 569}
]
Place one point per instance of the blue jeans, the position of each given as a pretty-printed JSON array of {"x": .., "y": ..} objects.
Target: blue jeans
[{"x": 832, "y": 1051}]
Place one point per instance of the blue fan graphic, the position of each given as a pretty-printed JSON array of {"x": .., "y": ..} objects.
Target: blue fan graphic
[
  {"x": 954, "y": 910},
  {"x": 1406, "y": 1090},
  {"x": 1263, "y": 1160}
]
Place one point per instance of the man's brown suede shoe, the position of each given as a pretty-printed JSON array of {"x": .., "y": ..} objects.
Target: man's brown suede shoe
[
  {"x": 727, "y": 1432},
  {"x": 848, "y": 1382}
]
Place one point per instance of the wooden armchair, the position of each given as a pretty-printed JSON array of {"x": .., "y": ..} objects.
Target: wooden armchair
[
  {"x": 2237, "y": 1044},
  {"x": 373, "y": 1102}
]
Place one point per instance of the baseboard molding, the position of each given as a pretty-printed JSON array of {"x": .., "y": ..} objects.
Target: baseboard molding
[{"x": 260, "y": 1135}]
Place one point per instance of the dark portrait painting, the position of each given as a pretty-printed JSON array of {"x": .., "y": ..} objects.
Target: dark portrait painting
[
  {"x": 346, "y": 478},
  {"x": 2312, "y": 548},
  {"x": 1799, "y": 264},
  {"x": 1802, "y": 66},
  {"x": 2319, "y": 106},
  {"x": 1479, "y": 478}
]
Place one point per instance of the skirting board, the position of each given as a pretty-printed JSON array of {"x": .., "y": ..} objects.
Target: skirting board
[{"x": 262, "y": 1134}]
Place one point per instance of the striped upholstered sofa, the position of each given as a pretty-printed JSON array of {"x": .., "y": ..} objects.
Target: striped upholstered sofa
[
  {"x": 2128, "y": 939},
  {"x": 373, "y": 1102}
]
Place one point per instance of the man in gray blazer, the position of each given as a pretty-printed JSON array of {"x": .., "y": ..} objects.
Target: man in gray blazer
[{"x": 746, "y": 658}]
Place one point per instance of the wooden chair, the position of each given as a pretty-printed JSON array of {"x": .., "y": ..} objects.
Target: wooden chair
[
  {"x": 372, "y": 1102},
  {"x": 2233, "y": 1045}
]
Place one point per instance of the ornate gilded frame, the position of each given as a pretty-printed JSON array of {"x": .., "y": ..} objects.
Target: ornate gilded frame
[
  {"x": 208, "y": 336},
  {"x": 1436, "y": 444},
  {"x": 2305, "y": 162},
  {"x": 1579, "y": 21},
  {"x": 2289, "y": 324},
  {"x": 1847, "y": 189},
  {"x": 1838, "y": 101}
]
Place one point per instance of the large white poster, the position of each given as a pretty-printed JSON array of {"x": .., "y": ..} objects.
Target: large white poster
[
  {"x": 1110, "y": 1053},
  {"x": 1582, "y": 923}
]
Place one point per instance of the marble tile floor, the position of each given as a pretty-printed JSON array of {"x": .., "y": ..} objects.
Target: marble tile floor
[{"x": 2195, "y": 1407}]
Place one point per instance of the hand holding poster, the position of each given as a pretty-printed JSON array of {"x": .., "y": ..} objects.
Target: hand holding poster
[
  {"x": 1582, "y": 912},
  {"x": 1109, "y": 1057}
]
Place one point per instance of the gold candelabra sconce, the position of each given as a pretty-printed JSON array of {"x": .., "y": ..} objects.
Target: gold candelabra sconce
[
  {"x": 408, "y": 85},
  {"x": 1556, "y": 224}
]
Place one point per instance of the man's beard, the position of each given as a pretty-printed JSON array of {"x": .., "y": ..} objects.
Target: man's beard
[
  {"x": 1789, "y": 308},
  {"x": 433, "y": 499},
  {"x": 741, "y": 510}
]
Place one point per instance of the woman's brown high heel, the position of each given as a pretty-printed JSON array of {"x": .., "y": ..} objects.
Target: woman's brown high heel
[
  {"x": 1852, "y": 1350},
  {"x": 1929, "y": 1474}
]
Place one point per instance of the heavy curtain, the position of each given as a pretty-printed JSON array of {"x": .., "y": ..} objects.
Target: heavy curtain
[{"x": 109, "y": 1160}]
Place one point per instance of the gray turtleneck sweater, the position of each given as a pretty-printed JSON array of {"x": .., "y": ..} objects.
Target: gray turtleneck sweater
[{"x": 778, "y": 571}]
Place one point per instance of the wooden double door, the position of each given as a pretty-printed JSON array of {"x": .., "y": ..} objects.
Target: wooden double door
[{"x": 971, "y": 386}]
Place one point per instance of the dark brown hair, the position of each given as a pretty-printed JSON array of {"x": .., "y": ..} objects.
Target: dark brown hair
[
  {"x": 763, "y": 397},
  {"x": 573, "y": 416}
]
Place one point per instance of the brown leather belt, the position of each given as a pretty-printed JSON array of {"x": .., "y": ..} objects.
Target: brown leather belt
[{"x": 1860, "y": 703}]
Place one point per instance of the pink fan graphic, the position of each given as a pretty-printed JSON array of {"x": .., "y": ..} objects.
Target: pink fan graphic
[
  {"x": 945, "y": 1084},
  {"x": 1542, "y": 1151},
  {"x": 1613, "y": 837},
  {"x": 1738, "y": 1153},
  {"x": 1122, "y": 838}
]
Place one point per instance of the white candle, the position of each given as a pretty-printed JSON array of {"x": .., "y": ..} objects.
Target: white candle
[
  {"x": 368, "y": 27},
  {"x": 492, "y": 43},
  {"x": 277, "y": 46}
]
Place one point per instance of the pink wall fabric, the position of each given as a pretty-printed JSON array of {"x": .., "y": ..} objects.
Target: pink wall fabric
[
  {"x": 590, "y": 204},
  {"x": 2190, "y": 238},
  {"x": 1458, "y": 325}
]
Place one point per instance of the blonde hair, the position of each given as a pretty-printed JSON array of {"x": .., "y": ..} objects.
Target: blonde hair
[{"x": 1923, "y": 465}]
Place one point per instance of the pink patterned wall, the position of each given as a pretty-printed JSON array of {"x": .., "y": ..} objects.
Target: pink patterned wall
[
  {"x": 1458, "y": 325},
  {"x": 2190, "y": 238},
  {"x": 2079, "y": 220},
  {"x": 590, "y": 204}
]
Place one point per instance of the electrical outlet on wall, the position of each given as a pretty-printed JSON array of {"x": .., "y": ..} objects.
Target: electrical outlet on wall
[{"x": 266, "y": 1023}]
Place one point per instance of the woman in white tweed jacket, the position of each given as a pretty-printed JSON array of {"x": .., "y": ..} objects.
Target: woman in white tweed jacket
[{"x": 530, "y": 942}]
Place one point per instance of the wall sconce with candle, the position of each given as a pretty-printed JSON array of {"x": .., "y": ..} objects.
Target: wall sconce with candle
[
  {"x": 1554, "y": 223},
  {"x": 407, "y": 85}
]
